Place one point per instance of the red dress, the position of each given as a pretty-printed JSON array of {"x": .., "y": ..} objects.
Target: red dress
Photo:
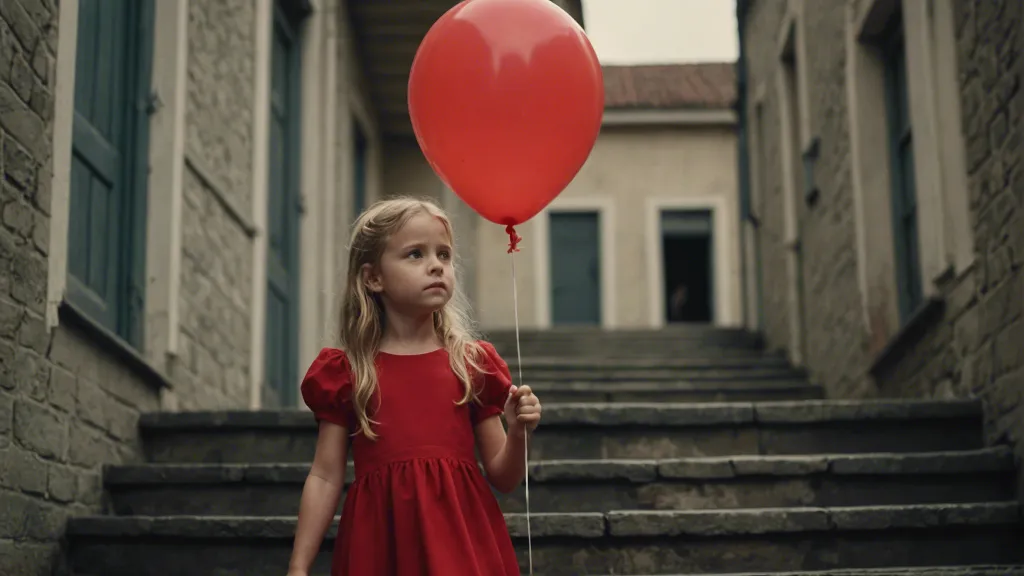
[{"x": 419, "y": 505}]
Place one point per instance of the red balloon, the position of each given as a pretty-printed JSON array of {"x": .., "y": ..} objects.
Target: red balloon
[{"x": 506, "y": 99}]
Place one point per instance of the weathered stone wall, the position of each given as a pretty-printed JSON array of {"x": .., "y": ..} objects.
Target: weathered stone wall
[
  {"x": 216, "y": 284},
  {"x": 971, "y": 346},
  {"x": 976, "y": 347},
  {"x": 66, "y": 406},
  {"x": 760, "y": 29},
  {"x": 835, "y": 337},
  {"x": 832, "y": 331}
]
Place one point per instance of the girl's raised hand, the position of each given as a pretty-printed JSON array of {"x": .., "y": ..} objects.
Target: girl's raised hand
[{"x": 522, "y": 410}]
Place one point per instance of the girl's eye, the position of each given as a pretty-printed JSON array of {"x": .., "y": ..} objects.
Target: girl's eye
[
  {"x": 415, "y": 253},
  {"x": 444, "y": 255}
]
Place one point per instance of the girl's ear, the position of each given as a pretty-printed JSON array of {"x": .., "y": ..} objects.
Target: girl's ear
[{"x": 371, "y": 279}]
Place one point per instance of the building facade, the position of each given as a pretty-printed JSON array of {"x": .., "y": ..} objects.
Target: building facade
[
  {"x": 179, "y": 178},
  {"x": 881, "y": 178},
  {"x": 647, "y": 233}
]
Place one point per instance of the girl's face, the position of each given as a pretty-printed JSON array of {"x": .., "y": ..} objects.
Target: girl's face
[{"x": 415, "y": 275}]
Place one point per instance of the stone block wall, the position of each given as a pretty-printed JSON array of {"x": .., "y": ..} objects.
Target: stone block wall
[
  {"x": 760, "y": 29},
  {"x": 975, "y": 348},
  {"x": 67, "y": 406},
  {"x": 213, "y": 369},
  {"x": 971, "y": 344},
  {"x": 835, "y": 338},
  {"x": 834, "y": 348}
]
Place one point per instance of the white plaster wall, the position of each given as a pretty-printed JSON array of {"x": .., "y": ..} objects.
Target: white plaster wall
[{"x": 628, "y": 170}]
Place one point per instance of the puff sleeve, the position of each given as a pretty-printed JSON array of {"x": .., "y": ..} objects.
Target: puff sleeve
[
  {"x": 496, "y": 382},
  {"x": 327, "y": 387}
]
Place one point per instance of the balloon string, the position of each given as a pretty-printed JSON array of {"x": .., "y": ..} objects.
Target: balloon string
[{"x": 514, "y": 240}]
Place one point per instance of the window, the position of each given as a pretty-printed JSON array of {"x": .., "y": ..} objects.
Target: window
[
  {"x": 110, "y": 136},
  {"x": 901, "y": 160}
]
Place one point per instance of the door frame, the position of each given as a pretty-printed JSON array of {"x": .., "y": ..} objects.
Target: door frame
[
  {"x": 603, "y": 206},
  {"x": 723, "y": 262}
]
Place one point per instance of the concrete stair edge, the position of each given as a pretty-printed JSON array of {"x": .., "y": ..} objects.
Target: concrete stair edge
[
  {"x": 730, "y": 413},
  {"x": 991, "y": 459},
  {"x": 614, "y": 524},
  {"x": 962, "y": 570}
]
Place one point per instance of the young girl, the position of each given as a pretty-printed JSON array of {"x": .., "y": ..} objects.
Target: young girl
[{"x": 417, "y": 393}]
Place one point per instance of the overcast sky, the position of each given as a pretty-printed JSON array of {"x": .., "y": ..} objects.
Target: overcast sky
[{"x": 662, "y": 31}]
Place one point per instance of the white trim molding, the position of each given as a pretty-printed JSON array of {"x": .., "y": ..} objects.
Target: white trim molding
[
  {"x": 166, "y": 178},
  {"x": 944, "y": 231},
  {"x": 60, "y": 191},
  {"x": 724, "y": 264},
  {"x": 312, "y": 190},
  {"x": 260, "y": 154},
  {"x": 670, "y": 117},
  {"x": 604, "y": 207}
]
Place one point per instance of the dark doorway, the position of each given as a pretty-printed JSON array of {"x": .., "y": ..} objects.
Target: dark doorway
[{"x": 688, "y": 247}]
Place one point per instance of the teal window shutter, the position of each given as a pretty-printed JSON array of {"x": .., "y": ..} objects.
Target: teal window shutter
[
  {"x": 285, "y": 206},
  {"x": 110, "y": 137},
  {"x": 901, "y": 162}
]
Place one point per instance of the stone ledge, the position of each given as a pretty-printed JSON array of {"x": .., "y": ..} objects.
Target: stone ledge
[
  {"x": 219, "y": 420},
  {"x": 732, "y": 413},
  {"x": 571, "y": 525},
  {"x": 555, "y": 363},
  {"x": 159, "y": 474},
  {"x": 716, "y": 522},
  {"x": 640, "y": 385},
  {"x": 669, "y": 333},
  {"x": 595, "y": 524},
  {"x": 776, "y": 520},
  {"x": 930, "y": 312},
  {"x": 646, "y": 414},
  {"x": 998, "y": 459},
  {"x": 972, "y": 461},
  {"x": 980, "y": 570},
  {"x": 800, "y": 411},
  {"x": 633, "y": 471},
  {"x": 70, "y": 317}
]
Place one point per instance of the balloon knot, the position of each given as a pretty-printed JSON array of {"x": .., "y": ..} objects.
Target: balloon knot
[{"x": 513, "y": 239}]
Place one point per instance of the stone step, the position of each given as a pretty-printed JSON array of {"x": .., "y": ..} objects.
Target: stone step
[
  {"x": 628, "y": 542},
  {"x": 647, "y": 350},
  {"x": 670, "y": 335},
  {"x": 961, "y": 570},
  {"x": 640, "y": 363},
  {"x": 531, "y": 374},
  {"x": 600, "y": 486},
  {"x": 554, "y": 391},
  {"x": 613, "y": 430},
  {"x": 622, "y": 346}
]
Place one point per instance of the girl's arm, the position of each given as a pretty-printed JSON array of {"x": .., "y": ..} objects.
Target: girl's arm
[
  {"x": 504, "y": 455},
  {"x": 320, "y": 495}
]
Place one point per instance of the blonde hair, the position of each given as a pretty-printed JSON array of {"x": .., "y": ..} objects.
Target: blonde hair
[{"x": 362, "y": 312}]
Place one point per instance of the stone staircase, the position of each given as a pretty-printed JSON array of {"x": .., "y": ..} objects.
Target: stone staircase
[{"x": 684, "y": 451}]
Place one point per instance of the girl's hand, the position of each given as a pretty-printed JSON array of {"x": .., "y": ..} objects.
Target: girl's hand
[{"x": 522, "y": 411}]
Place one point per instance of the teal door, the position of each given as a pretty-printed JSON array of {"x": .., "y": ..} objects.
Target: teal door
[
  {"x": 283, "y": 217},
  {"x": 575, "y": 268}
]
